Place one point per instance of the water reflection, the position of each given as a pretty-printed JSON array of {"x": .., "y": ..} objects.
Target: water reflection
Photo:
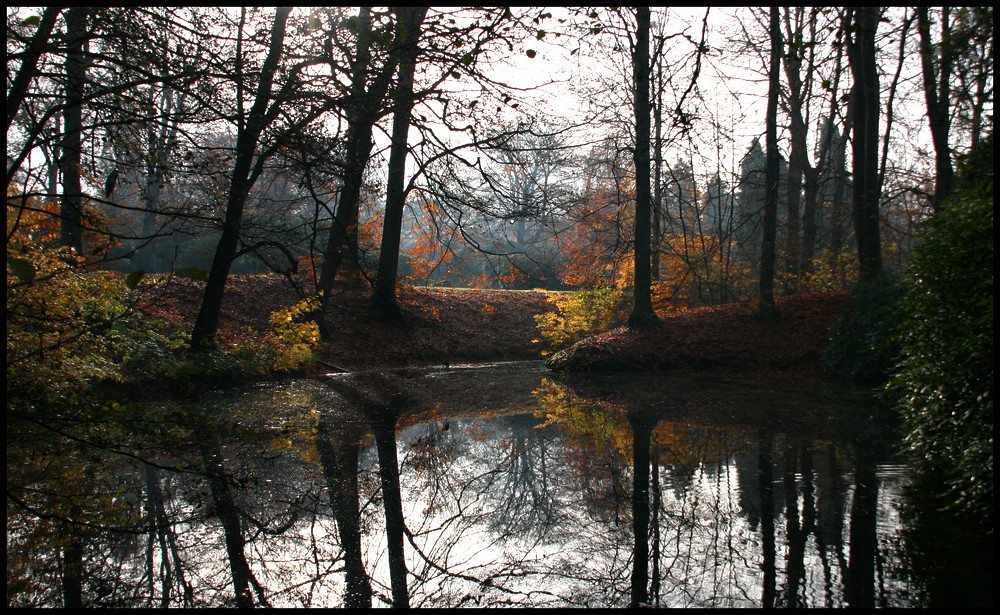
[{"x": 512, "y": 489}]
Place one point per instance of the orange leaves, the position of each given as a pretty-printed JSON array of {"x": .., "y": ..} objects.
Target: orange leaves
[
  {"x": 696, "y": 270},
  {"x": 433, "y": 251}
]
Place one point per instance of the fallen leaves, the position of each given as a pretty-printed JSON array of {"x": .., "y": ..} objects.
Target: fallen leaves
[{"x": 457, "y": 325}]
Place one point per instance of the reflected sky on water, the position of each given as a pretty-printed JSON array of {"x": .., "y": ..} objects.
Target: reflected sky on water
[{"x": 516, "y": 487}]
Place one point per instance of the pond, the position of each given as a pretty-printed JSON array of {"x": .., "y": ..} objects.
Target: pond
[{"x": 479, "y": 486}]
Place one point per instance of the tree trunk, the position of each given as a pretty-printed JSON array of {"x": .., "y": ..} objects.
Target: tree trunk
[
  {"x": 657, "y": 238},
  {"x": 243, "y": 178},
  {"x": 767, "y": 306},
  {"x": 160, "y": 144},
  {"x": 362, "y": 115},
  {"x": 384, "y": 428},
  {"x": 864, "y": 109},
  {"x": 340, "y": 467},
  {"x": 72, "y": 570},
  {"x": 642, "y": 431},
  {"x": 799, "y": 169},
  {"x": 407, "y": 32},
  {"x": 828, "y": 169},
  {"x": 229, "y": 517},
  {"x": 71, "y": 206},
  {"x": 937, "y": 91},
  {"x": 642, "y": 307},
  {"x": 769, "y": 556}
]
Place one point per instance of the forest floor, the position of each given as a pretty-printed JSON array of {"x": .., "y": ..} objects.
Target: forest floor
[{"x": 454, "y": 326}]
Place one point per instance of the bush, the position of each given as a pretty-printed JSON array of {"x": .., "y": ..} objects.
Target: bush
[
  {"x": 863, "y": 346},
  {"x": 944, "y": 380},
  {"x": 578, "y": 314}
]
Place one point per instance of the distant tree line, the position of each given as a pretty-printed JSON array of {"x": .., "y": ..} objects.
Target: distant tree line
[{"x": 211, "y": 141}]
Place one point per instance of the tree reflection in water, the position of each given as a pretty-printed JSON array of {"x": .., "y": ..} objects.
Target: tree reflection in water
[
  {"x": 338, "y": 457},
  {"x": 306, "y": 495}
]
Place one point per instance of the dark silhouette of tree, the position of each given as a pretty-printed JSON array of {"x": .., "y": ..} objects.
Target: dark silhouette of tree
[
  {"x": 765, "y": 469},
  {"x": 860, "y": 578},
  {"x": 383, "y": 424},
  {"x": 861, "y": 24},
  {"x": 246, "y": 169},
  {"x": 339, "y": 457},
  {"x": 71, "y": 205},
  {"x": 408, "y": 24},
  {"x": 937, "y": 76},
  {"x": 370, "y": 82},
  {"x": 767, "y": 259},
  {"x": 29, "y": 69},
  {"x": 244, "y": 583},
  {"x": 642, "y": 431},
  {"x": 800, "y": 207},
  {"x": 642, "y": 307}
]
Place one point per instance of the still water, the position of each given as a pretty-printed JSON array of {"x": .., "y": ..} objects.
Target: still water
[{"x": 498, "y": 486}]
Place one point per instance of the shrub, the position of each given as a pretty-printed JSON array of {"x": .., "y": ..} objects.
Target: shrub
[
  {"x": 578, "y": 314},
  {"x": 863, "y": 345},
  {"x": 944, "y": 380}
]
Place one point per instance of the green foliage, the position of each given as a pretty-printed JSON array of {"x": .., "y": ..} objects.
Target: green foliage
[
  {"x": 944, "y": 380},
  {"x": 65, "y": 328},
  {"x": 863, "y": 345},
  {"x": 69, "y": 329},
  {"x": 580, "y": 313}
]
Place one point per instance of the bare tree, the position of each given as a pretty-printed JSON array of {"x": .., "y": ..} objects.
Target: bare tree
[{"x": 29, "y": 69}]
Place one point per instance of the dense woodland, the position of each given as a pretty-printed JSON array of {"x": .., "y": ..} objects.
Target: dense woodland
[{"x": 671, "y": 159}]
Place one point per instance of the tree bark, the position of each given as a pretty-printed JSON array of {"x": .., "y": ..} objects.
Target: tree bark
[
  {"x": 71, "y": 205},
  {"x": 767, "y": 305},
  {"x": 407, "y": 32},
  {"x": 864, "y": 109},
  {"x": 642, "y": 307},
  {"x": 657, "y": 238}
]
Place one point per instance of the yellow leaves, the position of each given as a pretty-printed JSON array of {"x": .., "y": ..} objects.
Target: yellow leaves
[
  {"x": 582, "y": 418},
  {"x": 65, "y": 325},
  {"x": 831, "y": 271},
  {"x": 297, "y": 434},
  {"x": 294, "y": 338},
  {"x": 579, "y": 314}
]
